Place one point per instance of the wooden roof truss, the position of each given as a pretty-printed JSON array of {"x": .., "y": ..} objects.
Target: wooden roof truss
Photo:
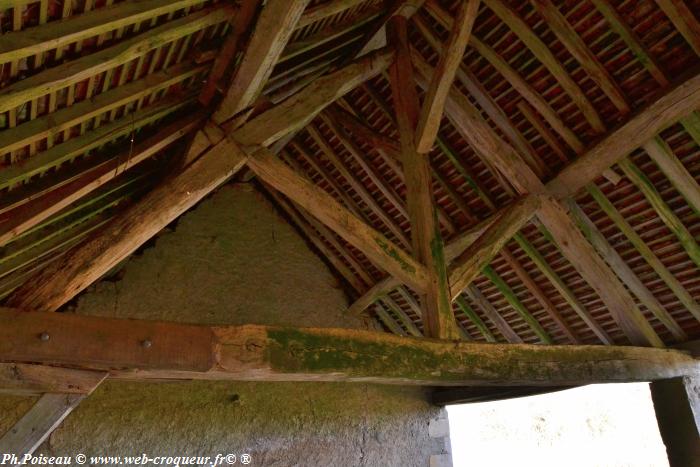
[{"x": 509, "y": 172}]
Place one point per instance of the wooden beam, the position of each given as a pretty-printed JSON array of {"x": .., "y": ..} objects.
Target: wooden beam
[
  {"x": 380, "y": 250},
  {"x": 517, "y": 305},
  {"x": 87, "y": 262},
  {"x": 645, "y": 251},
  {"x": 674, "y": 104},
  {"x": 468, "y": 265},
  {"x": 570, "y": 240},
  {"x": 665, "y": 213},
  {"x": 295, "y": 112},
  {"x": 377, "y": 291},
  {"x": 37, "y": 40},
  {"x": 684, "y": 20},
  {"x": 539, "y": 294},
  {"x": 619, "y": 25},
  {"x": 139, "y": 349},
  {"x": 563, "y": 290},
  {"x": 84, "y": 264},
  {"x": 36, "y": 425},
  {"x": 51, "y": 125},
  {"x": 444, "y": 75},
  {"x": 28, "y": 380},
  {"x": 452, "y": 250},
  {"x": 80, "y": 145},
  {"x": 540, "y": 50},
  {"x": 228, "y": 53},
  {"x": 675, "y": 171},
  {"x": 583, "y": 55},
  {"x": 273, "y": 29},
  {"x": 597, "y": 274},
  {"x": 438, "y": 316},
  {"x": 61, "y": 76},
  {"x": 476, "y": 296},
  {"x": 325, "y": 10},
  {"x": 624, "y": 272},
  {"x": 509, "y": 73},
  {"x": 28, "y": 215}
]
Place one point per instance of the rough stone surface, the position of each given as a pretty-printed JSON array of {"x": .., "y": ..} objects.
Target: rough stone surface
[{"x": 234, "y": 260}]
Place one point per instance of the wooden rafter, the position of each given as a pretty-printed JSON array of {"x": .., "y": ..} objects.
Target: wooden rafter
[
  {"x": 443, "y": 76},
  {"x": 84, "y": 264},
  {"x": 273, "y": 29},
  {"x": 268, "y": 353}
]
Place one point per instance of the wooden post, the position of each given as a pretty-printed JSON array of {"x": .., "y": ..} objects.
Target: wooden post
[
  {"x": 427, "y": 242},
  {"x": 677, "y": 406}
]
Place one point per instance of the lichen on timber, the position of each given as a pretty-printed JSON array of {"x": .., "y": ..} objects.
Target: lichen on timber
[{"x": 392, "y": 252}]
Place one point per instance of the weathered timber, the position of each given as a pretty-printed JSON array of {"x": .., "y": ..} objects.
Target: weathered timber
[
  {"x": 324, "y": 10},
  {"x": 425, "y": 232},
  {"x": 295, "y": 112},
  {"x": 228, "y": 53},
  {"x": 547, "y": 58},
  {"x": 376, "y": 246},
  {"x": 492, "y": 314},
  {"x": 273, "y": 29},
  {"x": 580, "y": 51},
  {"x": 36, "y": 425},
  {"x": 56, "y": 78},
  {"x": 517, "y": 305},
  {"x": 684, "y": 20},
  {"x": 61, "y": 281},
  {"x": 624, "y": 272},
  {"x": 677, "y": 102},
  {"x": 444, "y": 75},
  {"x": 35, "y": 40},
  {"x": 675, "y": 171},
  {"x": 468, "y": 265},
  {"x": 597, "y": 274},
  {"x": 268, "y": 353},
  {"x": 645, "y": 251},
  {"x": 666, "y": 214},
  {"x": 87, "y": 262},
  {"x": 539, "y": 294},
  {"x": 26, "y": 379},
  {"x": 31, "y": 214}
]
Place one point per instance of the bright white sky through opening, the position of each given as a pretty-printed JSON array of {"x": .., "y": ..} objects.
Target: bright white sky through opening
[{"x": 602, "y": 425}]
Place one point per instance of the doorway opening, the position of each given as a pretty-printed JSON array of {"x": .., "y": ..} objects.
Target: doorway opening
[{"x": 595, "y": 425}]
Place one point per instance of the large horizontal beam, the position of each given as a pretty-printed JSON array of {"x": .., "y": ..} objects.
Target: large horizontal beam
[{"x": 138, "y": 349}]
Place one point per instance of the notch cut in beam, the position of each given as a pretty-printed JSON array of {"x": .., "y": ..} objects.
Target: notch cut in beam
[{"x": 269, "y": 353}]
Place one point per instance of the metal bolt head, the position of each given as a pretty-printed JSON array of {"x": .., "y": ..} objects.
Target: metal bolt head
[
  {"x": 44, "y": 336},
  {"x": 146, "y": 343}
]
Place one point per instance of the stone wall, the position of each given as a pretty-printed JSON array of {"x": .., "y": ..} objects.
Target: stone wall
[{"x": 235, "y": 260}]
